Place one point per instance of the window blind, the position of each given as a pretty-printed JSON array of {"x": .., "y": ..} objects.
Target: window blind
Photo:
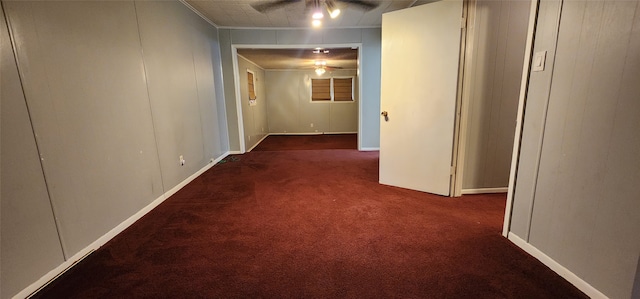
[
  {"x": 252, "y": 90},
  {"x": 342, "y": 89},
  {"x": 320, "y": 89}
]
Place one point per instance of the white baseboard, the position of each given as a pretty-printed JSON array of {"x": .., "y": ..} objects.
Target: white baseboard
[
  {"x": 254, "y": 146},
  {"x": 557, "y": 267},
  {"x": 307, "y": 133},
  {"x": 313, "y": 133},
  {"x": 72, "y": 261},
  {"x": 485, "y": 190},
  {"x": 369, "y": 149},
  {"x": 234, "y": 153}
]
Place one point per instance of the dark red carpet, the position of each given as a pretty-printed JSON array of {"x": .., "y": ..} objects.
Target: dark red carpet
[
  {"x": 308, "y": 142},
  {"x": 311, "y": 224}
]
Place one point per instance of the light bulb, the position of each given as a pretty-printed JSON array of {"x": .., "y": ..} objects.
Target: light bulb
[
  {"x": 320, "y": 71},
  {"x": 332, "y": 9},
  {"x": 316, "y": 23},
  {"x": 334, "y": 13}
]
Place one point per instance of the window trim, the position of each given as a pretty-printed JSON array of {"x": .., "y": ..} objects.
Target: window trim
[
  {"x": 331, "y": 90},
  {"x": 252, "y": 102},
  {"x": 311, "y": 90},
  {"x": 353, "y": 95}
]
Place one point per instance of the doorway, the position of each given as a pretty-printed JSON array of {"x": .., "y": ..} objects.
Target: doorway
[{"x": 283, "y": 103}]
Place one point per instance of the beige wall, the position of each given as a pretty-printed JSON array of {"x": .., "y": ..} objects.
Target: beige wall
[
  {"x": 368, "y": 38},
  {"x": 499, "y": 30},
  {"x": 576, "y": 195},
  {"x": 116, "y": 91},
  {"x": 254, "y": 118},
  {"x": 29, "y": 244},
  {"x": 290, "y": 108}
]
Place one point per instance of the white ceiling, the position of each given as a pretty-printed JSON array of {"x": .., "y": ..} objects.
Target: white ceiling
[
  {"x": 283, "y": 59},
  {"x": 240, "y": 14}
]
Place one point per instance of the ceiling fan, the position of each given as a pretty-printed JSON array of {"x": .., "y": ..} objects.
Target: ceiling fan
[
  {"x": 320, "y": 67},
  {"x": 332, "y": 6}
]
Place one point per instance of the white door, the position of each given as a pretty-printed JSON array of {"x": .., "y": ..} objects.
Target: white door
[{"x": 420, "y": 56}]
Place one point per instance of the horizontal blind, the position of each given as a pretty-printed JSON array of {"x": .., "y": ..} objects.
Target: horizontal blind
[
  {"x": 252, "y": 90},
  {"x": 343, "y": 89},
  {"x": 320, "y": 89}
]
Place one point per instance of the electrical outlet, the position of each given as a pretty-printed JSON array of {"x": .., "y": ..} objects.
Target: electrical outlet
[
  {"x": 312, "y": 125},
  {"x": 182, "y": 161}
]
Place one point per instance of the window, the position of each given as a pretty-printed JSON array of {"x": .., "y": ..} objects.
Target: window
[
  {"x": 251, "y": 83},
  {"x": 342, "y": 89},
  {"x": 334, "y": 89},
  {"x": 320, "y": 89}
]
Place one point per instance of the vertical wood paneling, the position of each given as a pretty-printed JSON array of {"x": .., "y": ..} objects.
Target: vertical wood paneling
[
  {"x": 29, "y": 240},
  {"x": 500, "y": 32},
  {"x": 370, "y": 61},
  {"x": 585, "y": 205},
  {"x": 291, "y": 110},
  {"x": 88, "y": 92},
  {"x": 534, "y": 118},
  {"x": 254, "y": 117},
  {"x": 210, "y": 109},
  {"x": 172, "y": 85},
  {"x": 84, "y": 82}
]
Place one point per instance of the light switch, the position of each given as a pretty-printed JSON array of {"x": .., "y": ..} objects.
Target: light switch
[{"x": 538, "y": 61}]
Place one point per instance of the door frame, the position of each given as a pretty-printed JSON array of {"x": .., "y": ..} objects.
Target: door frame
[
  {"x": 236, "y": 76},
  {"x": 462, "y": 98},
  {"x": 524, "y": 87}
]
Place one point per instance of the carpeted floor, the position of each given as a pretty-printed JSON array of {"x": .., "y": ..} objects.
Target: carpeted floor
[
  {"x": 311, "y": 224},
  {"x": 307, "y": 142}
]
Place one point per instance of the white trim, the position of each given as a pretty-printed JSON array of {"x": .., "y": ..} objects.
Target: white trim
[
  {"x": 257, "y": 143},
  {"x": 332, "y": 90},
  {"x": 251, "y": 62},
  {"x": 582, "y": 285},
  {"x": 369, "y": 149},
  {"x": 359, "y": 76},
  {"x": 72, "y": 261},
  {"x": 298, "y": 28},
  {"x": 255, "y": 90},
  {"x": 296, "y": 46},
  {"x": 311, "y": 133},
  {"x": 485, "y": 190},
  {"x": 236, "y": 83},
  {"x": 515, "y": 154},
  {"x": 338, "y": 133},
  {"x": 290, "y": 133},
  {"x": 198, "y": 13},
  {"x": 234, "y": 54},
  {"x": 305, "y": 71},
  {"x": 466, "y": 69},
  {"x": 311, "y": 78}
]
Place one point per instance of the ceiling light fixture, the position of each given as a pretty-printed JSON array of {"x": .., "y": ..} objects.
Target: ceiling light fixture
[
  {"x": 334, "y": 12},
  {"x": 320, "y": 71},
  {"x": 316, "y": 23},
  {"x": 317, "y": 15}
]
